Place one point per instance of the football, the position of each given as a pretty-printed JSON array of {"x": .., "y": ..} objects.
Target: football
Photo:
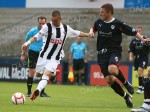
[{"x": 18, "y": 98}]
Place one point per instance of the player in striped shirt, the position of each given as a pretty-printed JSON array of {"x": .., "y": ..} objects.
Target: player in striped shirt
[
  {"x": 54, "y": 36},
  {"x": 33, "y": 54}
]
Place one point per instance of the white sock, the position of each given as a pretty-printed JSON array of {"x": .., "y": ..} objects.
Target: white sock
[
  {"x": 42, "y": 84},
  {"x": 146, "y": 106}
]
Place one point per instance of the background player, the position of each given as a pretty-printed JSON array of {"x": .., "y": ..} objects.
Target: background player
[
  {"x": 33, "y": 54},
  {"x": 140, "y": 50},
  {"x": 78, "y": 53},
  {"x": 109, "y": 49}
]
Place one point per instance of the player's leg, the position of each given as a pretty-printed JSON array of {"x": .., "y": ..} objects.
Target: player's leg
[
  {"x": 54, "y": 75},
  {"x": 113, "y": 70},
  {"x": 81, "y": 71},
  {"x": 142, "y": 65},
  {"x": 140, "y": 78},
  {"x": 30, "y": 81},
  {"x": 103, "y": 61},
  {"x": 76, "y": 71},
  {"x": 146, "y": 105},
  {"x": 116, "y": 86},
  {"x": 32, "y": 59},
  {"x": 49, "y": 67},
  {"x": 76, "y": 77},
  {"x": 42, "y": 94}
]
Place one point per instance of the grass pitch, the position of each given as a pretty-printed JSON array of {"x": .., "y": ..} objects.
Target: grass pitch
[{"x": 66, "y": 98}]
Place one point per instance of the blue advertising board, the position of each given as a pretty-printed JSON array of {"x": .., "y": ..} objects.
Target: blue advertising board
[
  {"x": 12, "y": 3},
  {"x": 137, "y": 3}
]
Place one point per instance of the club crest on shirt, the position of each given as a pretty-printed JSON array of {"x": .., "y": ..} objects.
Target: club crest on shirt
[
  {"x": 116, "y": 59},
  {"x": 112, "y": 26},
  {"x": 100, "y": 25}
]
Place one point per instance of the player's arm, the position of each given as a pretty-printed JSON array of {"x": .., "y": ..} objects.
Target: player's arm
[
  {"x": 70, "y": 54},
  {"x": 28, "y": 36},
  {"x": 93, "y": 30},
  {"x": 128, "y": 30},
  {"x": 70, "y": 58},
  {"x": 75, "y": 33},
  {"x": 86, "y": 58},
  {"x": 39, "y": 35},
  {"x": 130, "y": 51},
  {"x": 26, "y": 44},
  {"x": 83, "y": 34},
  {"x": 86, "y": 55},
  {"x": 131, "y": 56}
]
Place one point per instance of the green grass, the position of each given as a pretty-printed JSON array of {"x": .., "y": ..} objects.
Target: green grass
[{"x": 65, "y": 98}]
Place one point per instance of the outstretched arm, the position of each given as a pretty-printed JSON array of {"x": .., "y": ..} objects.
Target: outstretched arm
[
  {"x": 75, "y": 33},
  {"x": 39, "y": 35},
  {"x": 26, "y": 44},
  {"x": 130, "y": 56},
  {"x": 141, "y": 38},
  {"x": 83, "y": 34},
  {"x": 91, "y": 33}
]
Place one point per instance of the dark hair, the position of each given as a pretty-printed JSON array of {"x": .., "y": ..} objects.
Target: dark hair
[
  {"x": 41, "y": 17},
  {"x": 108, "y": 7},
  {"x": 56, "y": 13}
]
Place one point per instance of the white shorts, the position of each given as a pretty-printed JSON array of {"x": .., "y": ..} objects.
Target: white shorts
[{"x": 43, "y": 64}]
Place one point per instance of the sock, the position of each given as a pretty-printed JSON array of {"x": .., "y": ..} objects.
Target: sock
[
  {"x": 42, "y": 84},
  {"x": 76, "y": 77},
  {"x": 121, "y": 78},
  {"x": 141, "y": 82},
  {"x": 42, "y": 91},
  {"x": 82, "y": 77},
  {"x": 147, "y": 92},
  {"x": 117, "y": 88},
  {"x": 29, "y": 83}
]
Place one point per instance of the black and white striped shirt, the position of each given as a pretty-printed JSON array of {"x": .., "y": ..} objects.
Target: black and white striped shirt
[{"x": 52, "y": 47}]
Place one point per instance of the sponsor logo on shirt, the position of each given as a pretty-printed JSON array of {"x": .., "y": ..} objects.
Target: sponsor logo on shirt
[{"x": 56, "y": 41}]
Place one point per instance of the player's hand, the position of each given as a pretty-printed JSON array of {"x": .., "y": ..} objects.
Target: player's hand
[
  {"x": 147, "y": 40},
  {"x": 85, "y": 60},
  {"x": 24, "y": 47},
  {"x": 70, "y": 62},
  {"x": 130, "y": 59},
  {"x": 91, "y": 34},
  {"x": 22, "y": 58}
]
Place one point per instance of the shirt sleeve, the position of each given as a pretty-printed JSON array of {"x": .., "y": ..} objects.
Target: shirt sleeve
[
  {"x": 127, "y": 29},
  {"x": 42, "y": 32},
  {"x": 71, "y": 49},
  {"x": 71, "y": 32},
  {"x": 95, "y": 26}
]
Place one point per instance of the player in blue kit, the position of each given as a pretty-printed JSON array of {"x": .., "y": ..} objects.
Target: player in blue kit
[
  {"x": 33, "y": 54},
  {"x": 78, "y": 53}
]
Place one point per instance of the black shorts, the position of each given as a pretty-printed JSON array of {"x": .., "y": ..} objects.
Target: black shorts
[
  {"x": 104, "y": 60},
  {"x": 78, "y": 64},
  {"x": 140, "y": 62},
  {"x": 32, "y": 58}
]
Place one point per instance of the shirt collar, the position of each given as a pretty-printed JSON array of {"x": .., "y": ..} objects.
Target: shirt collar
[
  {"x": 55, "y": 26},
  {"x": 110, "y": 20}
]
